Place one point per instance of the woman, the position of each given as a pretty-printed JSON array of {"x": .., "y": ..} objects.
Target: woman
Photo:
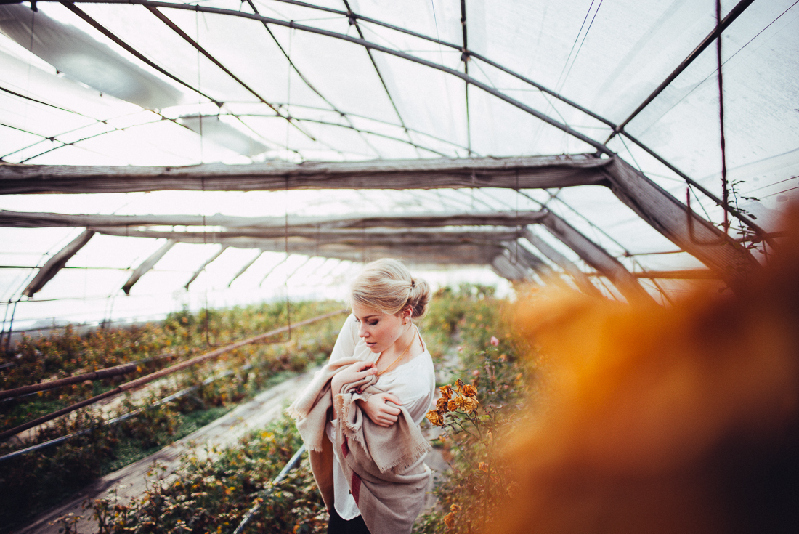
[{"x": 360, "y": 415}]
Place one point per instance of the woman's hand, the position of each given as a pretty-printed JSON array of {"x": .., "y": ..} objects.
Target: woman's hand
[
  {"x": 378, "y": 411},
  {"x": 352, "y": 373}
]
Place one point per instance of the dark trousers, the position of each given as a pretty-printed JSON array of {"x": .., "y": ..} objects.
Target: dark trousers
[{"x": 337, "y": 525}]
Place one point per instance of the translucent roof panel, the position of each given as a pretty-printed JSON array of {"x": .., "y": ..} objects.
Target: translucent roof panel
[{"x": 418, "y": 93}]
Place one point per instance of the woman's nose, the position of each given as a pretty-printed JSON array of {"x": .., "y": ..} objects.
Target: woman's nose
[{"x": 362, "y": 331}]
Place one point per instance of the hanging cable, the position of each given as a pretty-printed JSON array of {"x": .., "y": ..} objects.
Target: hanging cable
[
  {"x": 725, "y": 193},
  {"x": 286, "y": 245},
  {"x": 11, "y": 327}
]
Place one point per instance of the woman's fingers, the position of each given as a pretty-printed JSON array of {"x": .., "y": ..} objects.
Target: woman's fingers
[{"x": 392, "y": 398}]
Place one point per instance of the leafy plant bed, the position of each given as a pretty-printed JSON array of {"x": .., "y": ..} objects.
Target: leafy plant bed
[
  {"x": 33, "y": 482},
  {"x": 214, "y": 494}
]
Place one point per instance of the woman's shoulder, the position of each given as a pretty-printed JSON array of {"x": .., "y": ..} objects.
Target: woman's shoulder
[{"x": 421, "y": 363}]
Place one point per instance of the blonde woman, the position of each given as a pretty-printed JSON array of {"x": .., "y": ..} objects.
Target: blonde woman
[{"x": 360, "y": 415}]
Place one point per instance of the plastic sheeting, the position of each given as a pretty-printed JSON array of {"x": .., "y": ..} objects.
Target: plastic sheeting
[{"x": 114, "y": 84}]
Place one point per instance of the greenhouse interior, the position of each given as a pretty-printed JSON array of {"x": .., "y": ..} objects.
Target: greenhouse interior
[{"x": 177, "y": 163}]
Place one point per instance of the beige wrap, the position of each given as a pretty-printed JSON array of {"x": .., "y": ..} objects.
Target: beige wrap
[{"x": 383, "y": 465}]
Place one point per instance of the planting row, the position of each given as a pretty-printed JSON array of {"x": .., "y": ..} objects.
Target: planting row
[
  {"x": 473, "y": 414},
  {"x": 31, "y": 482}
]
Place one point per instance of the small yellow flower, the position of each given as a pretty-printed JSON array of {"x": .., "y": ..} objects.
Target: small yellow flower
[
  {"x": 483, "y": 467},
  {"x": 455, "y": 508}
]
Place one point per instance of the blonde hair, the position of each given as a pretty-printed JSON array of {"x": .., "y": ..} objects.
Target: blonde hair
[{"x": 387, "y": 285}]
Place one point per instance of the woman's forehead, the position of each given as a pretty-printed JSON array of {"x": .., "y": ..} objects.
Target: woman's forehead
[{"x": 362, "y": 311}]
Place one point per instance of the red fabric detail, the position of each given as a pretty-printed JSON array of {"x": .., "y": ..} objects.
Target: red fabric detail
[
  {"x": 356, "y": 487},
  {"x": 345, "y": 449}
]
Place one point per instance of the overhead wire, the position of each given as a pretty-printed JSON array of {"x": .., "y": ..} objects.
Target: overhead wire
[
  {"x": 307, "y": 82},
  {"x": 373, "y": 46},
  {"x": 354, "y": 22},
  {"x": 561, "y": 78}
]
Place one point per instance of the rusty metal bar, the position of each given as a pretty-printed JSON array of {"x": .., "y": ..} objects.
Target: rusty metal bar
[
  {"x": 729, "y": 19},
  {"x": 227, "y": 71},
  {"x": 110, "y": 372},
  {"x": 133, "y": 384}
]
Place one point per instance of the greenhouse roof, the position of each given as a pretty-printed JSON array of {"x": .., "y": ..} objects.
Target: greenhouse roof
[{"x": 156, "y": 155}]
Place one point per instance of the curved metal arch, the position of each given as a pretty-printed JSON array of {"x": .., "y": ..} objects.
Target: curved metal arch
[
  {"x": 359, "y": 116},
  {"x": 468, "y": 53},
  {"x": 345, "y": 126},
  {"x": 229, "y": 114},
  {"x": 600, "y": 147},
  {"x": 616, "y": 129}
]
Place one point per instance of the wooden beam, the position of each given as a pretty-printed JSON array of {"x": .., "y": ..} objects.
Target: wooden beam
[
  {"x": 56, "y": 263},
  {"x": 513, "y": 172},
  {"x": 422, "y": 254},
  {"x": 522, "y": 256},
  {"x": 681, "y": 274},
  {"x": 597, "y": 257},
  {"x": 18, "y": 219},
  {"x": 245, "y": 267},
  {"x": 275, "y": 239},
  {"x": 146, "y": 265},
  {"x": 687, "y": 230},
  {"x": 505, "y": 267},
  {"x": 568, "y": 266},
  {"x": 203, "y": 266}
]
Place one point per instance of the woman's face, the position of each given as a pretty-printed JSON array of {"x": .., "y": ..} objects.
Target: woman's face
[{"x": 378, "y": 329}]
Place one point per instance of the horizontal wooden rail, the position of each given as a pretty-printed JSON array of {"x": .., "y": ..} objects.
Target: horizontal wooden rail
[
  {"x": 134, "y": 384},
  {"x": 109, "y": 372},
  {"x": 124, "y": 417}
]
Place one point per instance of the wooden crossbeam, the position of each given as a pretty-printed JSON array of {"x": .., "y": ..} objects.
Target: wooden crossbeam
[
  {"x": 19, "y": 219},
  {"x": 530, "y": 172}
]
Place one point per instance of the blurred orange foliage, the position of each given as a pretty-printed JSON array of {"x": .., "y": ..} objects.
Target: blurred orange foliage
[{"x": 663, "y": 419}]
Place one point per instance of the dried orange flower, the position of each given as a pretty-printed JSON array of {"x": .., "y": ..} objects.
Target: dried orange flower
[
  {"x": 441, "y": 404},
  {"x": 455, "y": 403},
  {"x": 446, "y": 391},
  {"x": 469, "y": 390},
  {"x": 449, "y": 519},
  {"x": 483, "y": 467},
  {"x": 455, "y": 508},
  {"x": 469, "y": 404},
  {"x": 435, "y": 418}
]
